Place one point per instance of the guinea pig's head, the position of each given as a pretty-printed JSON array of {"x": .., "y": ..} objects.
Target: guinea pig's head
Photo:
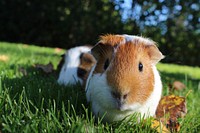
[
  {"x": 126, "y": 64},
  {"x": 75, "y": 65}
]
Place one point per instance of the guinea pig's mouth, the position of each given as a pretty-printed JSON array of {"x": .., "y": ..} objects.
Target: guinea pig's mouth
[
  {"x": 122, "y": 109},
  {"x": 120, "y": 101}
]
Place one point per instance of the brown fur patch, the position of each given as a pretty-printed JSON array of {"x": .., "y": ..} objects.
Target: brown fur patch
[
  {"x": 112, "y": 40},
  {"x": 154, "y": 54},
  {"x": 86, "y": 63},
  {"x": 124, "y": 76}
]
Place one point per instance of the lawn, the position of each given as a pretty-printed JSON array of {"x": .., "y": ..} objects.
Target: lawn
[{"x": 32, "y": 101}]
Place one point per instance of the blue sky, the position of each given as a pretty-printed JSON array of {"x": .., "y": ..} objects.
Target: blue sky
[{"x": 127, "y": 6}]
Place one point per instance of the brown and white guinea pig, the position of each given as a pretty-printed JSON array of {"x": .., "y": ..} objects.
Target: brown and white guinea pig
[
  {"x": 75, "y": 65},
  {"x": 125, "y": 79}
]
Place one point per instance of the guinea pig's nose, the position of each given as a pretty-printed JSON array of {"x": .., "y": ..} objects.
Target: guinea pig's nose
[
  {"x": 116, "y": 95},
  {"x": 119, "y": 96},
  {"x": 120, "y": 99}
]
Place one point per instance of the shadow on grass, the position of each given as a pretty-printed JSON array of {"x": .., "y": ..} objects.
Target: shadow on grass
[{"x": 42, "y": 89}]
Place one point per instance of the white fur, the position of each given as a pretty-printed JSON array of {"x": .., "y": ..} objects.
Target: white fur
[
  {"x": 151, "y": 104},
  {"x": 98, "y": 92},
  {"x": 129, "y": 38},
  {"x": 68, "y": 74}
]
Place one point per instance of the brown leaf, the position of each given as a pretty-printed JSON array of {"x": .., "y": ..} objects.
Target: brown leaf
[
  {"x": 58, "y": 50},
  {"x": 171, "y": 108},
  {"x": 177, "y": 85},
  {"x": 46, "y": 68},
  {"x": 4, "y": 58}
]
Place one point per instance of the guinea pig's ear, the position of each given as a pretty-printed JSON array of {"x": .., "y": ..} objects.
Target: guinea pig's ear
[
  {"x": 101, "y": 50},
  {"x": 96, "y": 50},
  {"x": 87, "y": 60},
  {"x": 154, "y": 53}
]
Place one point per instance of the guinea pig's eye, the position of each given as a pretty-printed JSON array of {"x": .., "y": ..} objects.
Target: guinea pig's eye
[
  {"x": 140, "y": 67},
  {"x": 106, "y": 64}
]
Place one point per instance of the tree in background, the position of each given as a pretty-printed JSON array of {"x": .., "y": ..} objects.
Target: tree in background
[
  {"x": 174, "y": 24},
  {"x": 58, "y": 23}
]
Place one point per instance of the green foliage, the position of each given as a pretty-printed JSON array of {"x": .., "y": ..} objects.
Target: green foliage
[
  {"x": 57, "y": 23},
  {"x": 174, "y": 25},
  {"x": 34, "y": 102}
]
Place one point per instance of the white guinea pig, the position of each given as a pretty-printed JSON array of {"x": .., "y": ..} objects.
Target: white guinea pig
[
  {"x": 125, "y": 79},
  {"x": 76, "y": 65}
]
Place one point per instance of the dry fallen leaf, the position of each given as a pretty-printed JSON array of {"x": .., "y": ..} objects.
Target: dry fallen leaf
[
  {"x": 177, "y": 85},
  {"x": 58, "y": 50},
  {"x": 170, "y": 109},
  {"x": 4, "y": 58},
  {"x": 46, "y": 68}
]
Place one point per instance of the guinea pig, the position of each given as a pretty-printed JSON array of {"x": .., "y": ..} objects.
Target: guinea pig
[
  {"x": 125, "y": 79},
  {"x": 75, "y": 66}
]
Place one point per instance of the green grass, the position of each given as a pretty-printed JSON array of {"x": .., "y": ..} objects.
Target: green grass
[{"x": 34, "y": 102}]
